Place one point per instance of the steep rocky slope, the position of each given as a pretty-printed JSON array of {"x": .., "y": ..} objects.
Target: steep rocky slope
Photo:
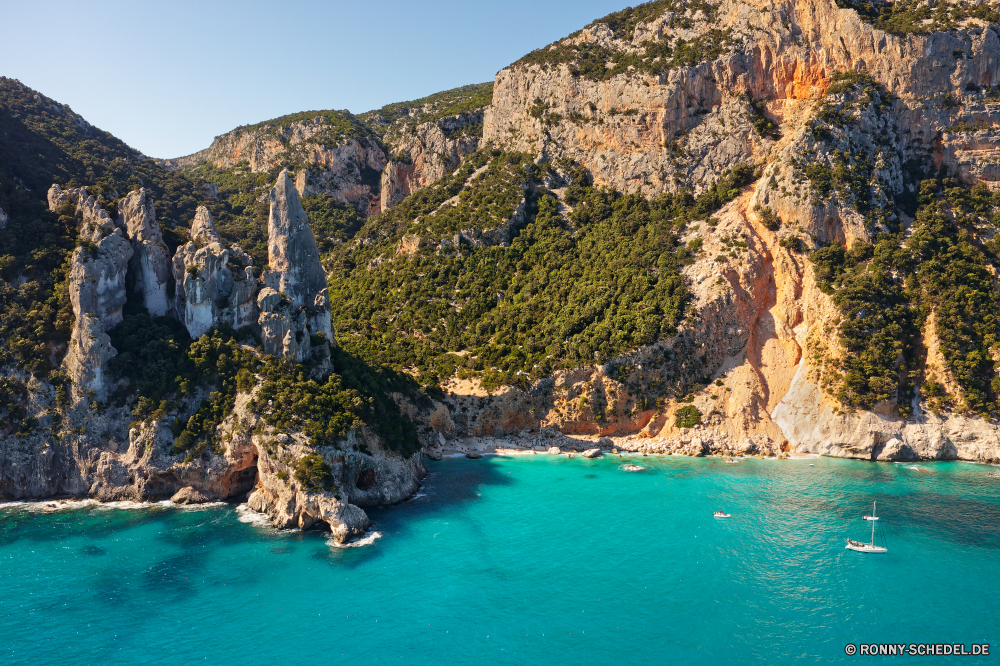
[
  {"x": 841, "y": 122},
  {"x": 370, "y": 162},
  {"x": 106, "y": 437}
]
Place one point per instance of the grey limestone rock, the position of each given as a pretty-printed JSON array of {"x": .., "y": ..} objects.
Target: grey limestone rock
[
  {"x": 592, "y": 453},
  {"x": 188, "y": 495},
  {"x": 96, "y": 289},
  {"x": 295, "y": 275},
  {"x": 151, "y": 273},
  {"x": 284, "y": 329},
  {"x": 208, "y": 292}
]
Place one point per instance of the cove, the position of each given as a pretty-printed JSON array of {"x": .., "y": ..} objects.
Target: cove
[{"x": 525, "y": 560}]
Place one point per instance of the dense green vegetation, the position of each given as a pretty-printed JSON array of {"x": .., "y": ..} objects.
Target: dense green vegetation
[
  {"x": 839, "y": 162},
  {"x": 687, "y": 416},
  {"x": 569, "y": 290},
  {"x": 164, "y": 366},
  {"x": 13, "y": 415},
  {"x": 591, "y": 60},
  {"x": 386, "y": 121},
  {"x": 886, "y": 292},
  {"x": 314, "y": 473},
  {"x": 35, "y": 315},
  {"x": 916, "y": 17}
]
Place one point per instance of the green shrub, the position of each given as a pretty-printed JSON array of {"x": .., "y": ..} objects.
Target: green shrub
[
  {"x": 769, "y": 218},
  {"x": 314, "y": 473},
  {"x": 687, "y": 416}
]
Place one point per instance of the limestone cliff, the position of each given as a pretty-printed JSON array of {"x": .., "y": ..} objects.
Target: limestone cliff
[
  {"x": 150, "y": 268},
  {"x": 423, "y": 154},
  {"x": 96, "y": 289},
  {"x": 294, "y": 270},
  {"x": 646, "y": 119},
  {"x": 332, "y": 152},
  {"x": 208, "y": 291}
]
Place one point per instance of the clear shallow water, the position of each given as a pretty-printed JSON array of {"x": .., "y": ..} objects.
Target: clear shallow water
[{"x": 526, "y": 560}]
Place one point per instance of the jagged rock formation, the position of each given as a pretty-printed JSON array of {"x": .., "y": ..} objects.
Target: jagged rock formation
[
  {"x": 96, "y": 289},
  {"x": 424, "y": 154},
  {"x": 208, "y": 292},
  {"x": 358, "y": 479},
  {"x": 150, "y": 267},
  {"x": 294, "y": 272}
]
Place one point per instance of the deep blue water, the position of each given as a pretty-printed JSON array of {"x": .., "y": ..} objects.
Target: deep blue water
[{"x": 527, "y": 560}]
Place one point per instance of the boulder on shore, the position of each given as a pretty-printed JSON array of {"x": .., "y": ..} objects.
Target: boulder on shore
[
  {"x": 188, "y": 495},
  {"x": 592, "y": 453},
  {"x": 554, "y": 450}
]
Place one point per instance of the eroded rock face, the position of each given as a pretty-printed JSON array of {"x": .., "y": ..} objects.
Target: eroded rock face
[
  {"x": 150, "y": 267},
  {"x": 295, "y": 272},
  {"x": 784, "y": 54},
  {"x": 358, "y": 479},
  {"x": 96, "y": 290},
  {"x": 346, "y": 168},
  {"x": 284, "y": 329},
  {"x": 106, "y": 460},
  {"x": 208, "y": 292},
  {"x": 426, "y": 153}
]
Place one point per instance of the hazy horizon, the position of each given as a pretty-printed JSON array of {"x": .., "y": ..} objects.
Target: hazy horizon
[{"x": 168, "y": 79}]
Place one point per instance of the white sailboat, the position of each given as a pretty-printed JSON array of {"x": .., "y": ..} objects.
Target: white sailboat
[{"x": 868, "y": 547}]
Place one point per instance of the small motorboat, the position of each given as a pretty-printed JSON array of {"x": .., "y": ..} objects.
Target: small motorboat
[
  {"x": 868, "y": 547},
  {"x": 721, "y": 514}
]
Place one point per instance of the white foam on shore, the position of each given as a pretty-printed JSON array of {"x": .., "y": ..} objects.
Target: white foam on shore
[
  {"x": 367, "y": 540},
  {"x": 53, "y": 506},
  {"x": 47, "y": 506},
  {"x": 245, "y": 514}
]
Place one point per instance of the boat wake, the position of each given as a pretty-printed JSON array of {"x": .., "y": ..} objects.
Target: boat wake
[{"x": 367, "y": 540}]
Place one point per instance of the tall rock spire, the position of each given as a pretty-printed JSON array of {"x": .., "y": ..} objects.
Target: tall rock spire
[
  {"x": 96, "y": 290},
  {"x": 294, "y": 266},
  {"x": 150, "y": 269},
  {"x": 296, "y": 270},
  {"x": 208, "y": 291}
]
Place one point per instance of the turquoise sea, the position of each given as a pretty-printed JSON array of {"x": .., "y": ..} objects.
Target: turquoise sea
[{"x": 526, "y": 560}]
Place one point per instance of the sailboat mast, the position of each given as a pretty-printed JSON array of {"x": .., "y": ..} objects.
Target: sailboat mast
[{"x": 873, "y": 523}]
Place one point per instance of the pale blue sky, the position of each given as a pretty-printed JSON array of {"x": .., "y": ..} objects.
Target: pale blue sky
[{"x": 168, "y": 76}]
